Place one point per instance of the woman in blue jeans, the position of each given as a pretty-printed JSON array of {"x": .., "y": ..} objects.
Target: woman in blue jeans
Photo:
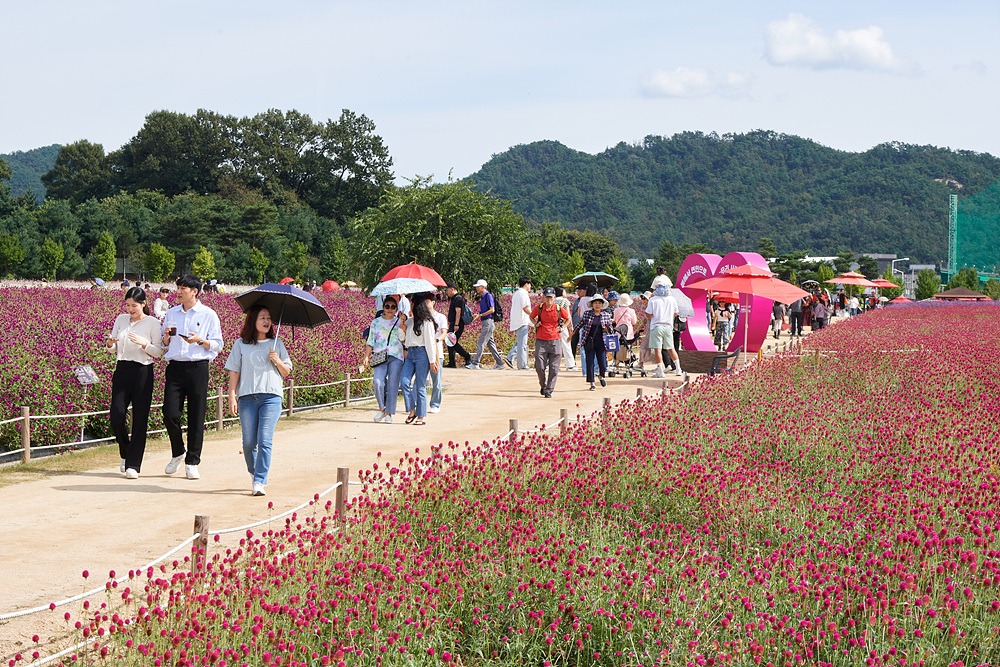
[
  {"x": 257, "y": 365},
  {"x": 385, "y": 334},
  {"x": 421, "y": 356}
]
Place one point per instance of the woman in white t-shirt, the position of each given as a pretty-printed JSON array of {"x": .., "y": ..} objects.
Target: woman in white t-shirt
[
  {"x": 134, "y": 339},
  {"x": 258, "y": 365}
]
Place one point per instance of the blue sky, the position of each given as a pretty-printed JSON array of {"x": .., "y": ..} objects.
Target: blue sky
[{"x": 449, "y": 84}]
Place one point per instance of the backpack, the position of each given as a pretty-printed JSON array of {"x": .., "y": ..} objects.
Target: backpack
[
  {"x": 466, "y": 313},
  {"x": 497, "y": 310}
]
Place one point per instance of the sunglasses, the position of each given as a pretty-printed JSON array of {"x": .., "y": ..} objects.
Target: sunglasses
[{"x": 388, "y": 307}]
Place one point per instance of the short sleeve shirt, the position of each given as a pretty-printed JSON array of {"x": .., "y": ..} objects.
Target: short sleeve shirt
[{"x": 257, "y": 374}]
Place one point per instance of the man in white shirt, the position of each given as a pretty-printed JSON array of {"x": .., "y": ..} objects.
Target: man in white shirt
[
  {"x": 520, "y": 324},
  {"x": 192, "y": 337},
  {"x": 661, "y": 310}
]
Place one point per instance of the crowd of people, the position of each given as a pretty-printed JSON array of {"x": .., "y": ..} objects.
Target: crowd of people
[{"x": 409, "y": 341}]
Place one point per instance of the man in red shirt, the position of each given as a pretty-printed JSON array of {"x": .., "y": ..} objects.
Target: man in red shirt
[{"x": 549, "y": 320}]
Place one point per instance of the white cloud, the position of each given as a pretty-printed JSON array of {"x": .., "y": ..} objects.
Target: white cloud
[
  {"x": 800, "y": 41},
  {"x": 693, "y": 82}
]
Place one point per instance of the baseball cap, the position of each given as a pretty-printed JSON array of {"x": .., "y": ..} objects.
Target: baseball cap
[
  {"x": 480, "y": 283},
  {"x": 549, "y": 291}
]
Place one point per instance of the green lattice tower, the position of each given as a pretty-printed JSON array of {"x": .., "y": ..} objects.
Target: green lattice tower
[{"x": 974, "y": 232}]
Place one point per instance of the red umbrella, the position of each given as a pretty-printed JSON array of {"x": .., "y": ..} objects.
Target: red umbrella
[
  {"x": 853, "y": 278},
  {"x": 286, "y": 280},
  {"x": 752, "y": 281},
  {"x": 414, "y": 270},
  {"x": 900, "y": 299},
  {"x": 882, "y": 283},
  {"x": 330, "y": 286},
  {"x": 726, "y": 297}
]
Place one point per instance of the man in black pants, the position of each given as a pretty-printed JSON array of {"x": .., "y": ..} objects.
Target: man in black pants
[
  {"x": 192, "y": 337},
  {"x": 456, "y": 325}
]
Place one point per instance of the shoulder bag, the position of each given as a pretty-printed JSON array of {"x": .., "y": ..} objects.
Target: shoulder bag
[{"x": 382, "y": 356}]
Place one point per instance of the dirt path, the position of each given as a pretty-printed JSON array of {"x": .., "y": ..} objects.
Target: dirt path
[{"x": 57, "y": 527}]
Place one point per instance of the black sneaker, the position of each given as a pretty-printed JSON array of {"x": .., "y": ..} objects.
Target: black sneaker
[
  {"x": 547, "y": 394},
  {"x": 542, "y": 391},
  {"x": 510, "y": 364},
  {"x": 603, "y": 383}
]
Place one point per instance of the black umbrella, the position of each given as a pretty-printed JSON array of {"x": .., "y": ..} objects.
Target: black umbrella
[
  {"x": 289, "y": 304},
  {"x": 602, "y": 279}
]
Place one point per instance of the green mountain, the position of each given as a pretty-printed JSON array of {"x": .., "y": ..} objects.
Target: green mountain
[
  {"x": 729, "y": 191},
  {"x": 28, "y": 168}
]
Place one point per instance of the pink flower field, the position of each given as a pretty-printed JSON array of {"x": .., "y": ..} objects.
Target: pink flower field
[
  {"x": 843, "y": 512},
  {"x": 49, "y": 331}
]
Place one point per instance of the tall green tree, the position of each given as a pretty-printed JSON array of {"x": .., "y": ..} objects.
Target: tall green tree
[
  {"x": 81, "y": 172},
  {"x": 295, "y": 259},
  {"x": 12, "y": 253},
  {"x": 868, "y": 267},
  {"x": 928, "y": 284},
  {"x": 991, "y": 288},
  {"x": 159, "y": 262},
  {"x": 462, "y": 233},
  {"x": 966, "y": 277},
  {"x": 889, "y": 292},
  {"x": 617, "y": 268},
  {"x": 102, "y": 260},
  {"x": 575, "y": 265},
  {"x": 671, "y": 256},
  {"x": 203, "y": 264},
  {"x": 335, "y": 262},
  {"x": 767, "y": 248},
  {"x": 51, "y": 254}
]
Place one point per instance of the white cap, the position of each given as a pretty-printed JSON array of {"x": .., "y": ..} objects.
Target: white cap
[{"x": 480, "y": 283}]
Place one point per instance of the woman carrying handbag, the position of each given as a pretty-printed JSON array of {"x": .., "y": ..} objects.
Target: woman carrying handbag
[
  {"x": 595, "y": 324},
  {"x": 384, "y": 355}
]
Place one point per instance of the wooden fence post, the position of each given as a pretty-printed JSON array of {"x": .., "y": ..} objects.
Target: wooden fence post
[
  {"x": 638, "y": 392},
  {"x": 606, "y": 407},
  {"x": 291, "y": 396},
  {"x": 513, "y": 429},
  {"x": 220, "y": 411},
  {"x": 340, "y": 496},
  {"x": 563, "y": 420},
  {"x": 199, "y": 549},
  {"x": 663, "y": 387},
  {"x": 347, "y": 391},
  {"x": 25, "y": 433}
]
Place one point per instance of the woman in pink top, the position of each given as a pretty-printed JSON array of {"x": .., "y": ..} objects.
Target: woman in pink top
[{"x": 625, "y": 315}]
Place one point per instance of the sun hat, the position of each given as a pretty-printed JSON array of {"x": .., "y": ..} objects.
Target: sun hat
[
  {"x": 647, "y": 295},
  {"x": 480, "y": 283},
  {"x": 598, "y": 297},
  {"x": 625, "y": 300},
  {"x": 549, "y": 291}
]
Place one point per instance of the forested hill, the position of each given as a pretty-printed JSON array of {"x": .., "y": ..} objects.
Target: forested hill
[
  {"x": 27, "y": 169},
  {"x": 730, "y": 191}
]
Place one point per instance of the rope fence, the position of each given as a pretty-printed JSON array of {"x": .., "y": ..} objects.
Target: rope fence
[{"x": 25, "y": 452}]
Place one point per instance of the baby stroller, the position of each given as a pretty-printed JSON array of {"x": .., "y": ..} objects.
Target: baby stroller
[{"x": 625, "y": 359}]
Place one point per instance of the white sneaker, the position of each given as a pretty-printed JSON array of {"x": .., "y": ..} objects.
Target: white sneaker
[
  {"x": 131, "y": 473},
  {"x": 258, "y": 490},
  {"x": 191, "y": 472},
  {"x": 121, "y": 468},
  {"x": 472, "y": 367},
  {"x": 174, "y": 464},
  {"x": 433, "y": 411},
  {"x": 677, "y": 372},
  {"x": 380, "y": 416},
  {"x": 657, "y": 373},
  {"x": 387, "y": 419}
]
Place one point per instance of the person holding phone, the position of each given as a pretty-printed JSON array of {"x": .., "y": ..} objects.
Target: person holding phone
[
  {"x": 192, "y": 337},
  {"x": 133, "y": 338}
]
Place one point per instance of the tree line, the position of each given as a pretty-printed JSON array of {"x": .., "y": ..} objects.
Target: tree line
[
  {"x": 728, "y": 191},
  {"x": 244, "y": 200}
]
